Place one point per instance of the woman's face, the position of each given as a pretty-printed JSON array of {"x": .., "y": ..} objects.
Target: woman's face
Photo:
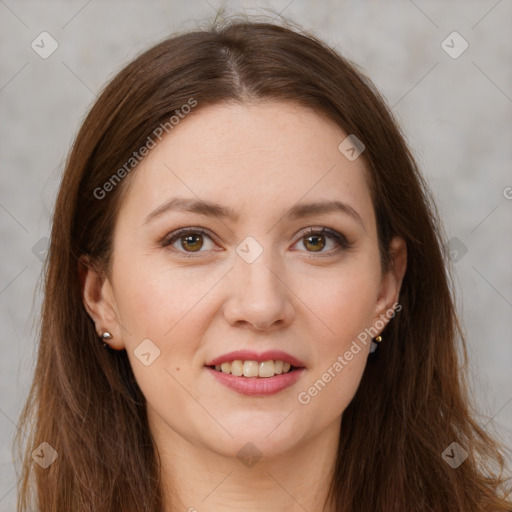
[{"x": 248, "y": 276}]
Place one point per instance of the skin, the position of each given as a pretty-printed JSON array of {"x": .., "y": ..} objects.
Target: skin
[{"x": 259, "y": 160}]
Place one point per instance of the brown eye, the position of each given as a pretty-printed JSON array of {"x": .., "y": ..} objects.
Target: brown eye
[
  {"x": 194, "y": 242},
  {"x": 188, "y": 241},
  {"x": 314, "y": 243},
  {"x": 323, "y": 241}
]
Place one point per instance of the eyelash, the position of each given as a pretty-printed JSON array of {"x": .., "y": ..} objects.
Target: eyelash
[{"x": 340, "y": 239}]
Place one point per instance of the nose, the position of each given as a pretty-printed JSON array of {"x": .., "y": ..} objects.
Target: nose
[{"x": 258, "y": 294}]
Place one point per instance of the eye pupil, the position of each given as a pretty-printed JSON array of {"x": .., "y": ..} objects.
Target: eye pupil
[
  {"x": 189, "y": 239},
  {"x": 317, "y": 246}
]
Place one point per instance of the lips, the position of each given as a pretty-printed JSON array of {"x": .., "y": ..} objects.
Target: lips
[
  {"x": 256, "y": 374},
  {"x": 257, "y": 386}
]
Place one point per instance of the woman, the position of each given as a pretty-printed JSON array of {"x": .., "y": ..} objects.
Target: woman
[{"x": 247, "y": 304}]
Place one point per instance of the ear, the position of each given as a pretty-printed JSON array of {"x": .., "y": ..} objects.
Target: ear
[
  {"x": 391, "y": 281},
  {"x": 99, "y": 302}
]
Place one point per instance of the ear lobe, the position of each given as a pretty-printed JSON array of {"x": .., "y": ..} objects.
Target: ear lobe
[
  {"x": 392, "y": 280},
  {"x": 98, "y": 300}
]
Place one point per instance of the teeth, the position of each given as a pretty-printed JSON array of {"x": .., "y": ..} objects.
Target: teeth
[
  {"x": 237, "y": 368},
  {"x": 254, "y": 368},
  {"x": 250, "y": 369},
  {"x": 266, "y": 369}
]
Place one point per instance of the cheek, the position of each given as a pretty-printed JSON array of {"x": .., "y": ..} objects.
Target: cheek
[
  {"x": 347, "y": 313},
  {"x": 346, "y": 306},
  {"x": 153, "y": 297},
  {"x": 345, "y": 302}
]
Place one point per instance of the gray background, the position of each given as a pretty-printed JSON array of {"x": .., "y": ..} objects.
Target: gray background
[{"x": 456, "y": 113}]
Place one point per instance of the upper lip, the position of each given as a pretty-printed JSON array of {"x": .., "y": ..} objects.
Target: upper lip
[{"x": 249, "y": 355}]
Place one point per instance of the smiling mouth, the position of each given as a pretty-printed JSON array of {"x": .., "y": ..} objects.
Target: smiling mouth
[{"x": 254, "y": 369}]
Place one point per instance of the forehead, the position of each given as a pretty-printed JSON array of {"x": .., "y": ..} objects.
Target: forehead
[{"x": 265, "y": 155}]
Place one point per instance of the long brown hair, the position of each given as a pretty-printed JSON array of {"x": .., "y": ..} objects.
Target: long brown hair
[{"x": 413, "y": 400}]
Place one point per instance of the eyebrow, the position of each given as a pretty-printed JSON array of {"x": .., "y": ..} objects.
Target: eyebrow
[{"x": 209, "y": 208}]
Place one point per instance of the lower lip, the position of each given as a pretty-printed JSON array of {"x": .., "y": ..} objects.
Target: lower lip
[{"x": 257, "y": 386}]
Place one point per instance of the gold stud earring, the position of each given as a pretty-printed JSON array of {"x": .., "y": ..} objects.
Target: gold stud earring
[{"x": 375, "y": 344}]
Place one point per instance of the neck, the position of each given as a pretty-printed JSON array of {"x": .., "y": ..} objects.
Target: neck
[{"x": 198, "y": 479}]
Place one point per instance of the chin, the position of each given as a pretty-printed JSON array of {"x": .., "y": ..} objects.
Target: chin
[{"x": 265, "y": 438}]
